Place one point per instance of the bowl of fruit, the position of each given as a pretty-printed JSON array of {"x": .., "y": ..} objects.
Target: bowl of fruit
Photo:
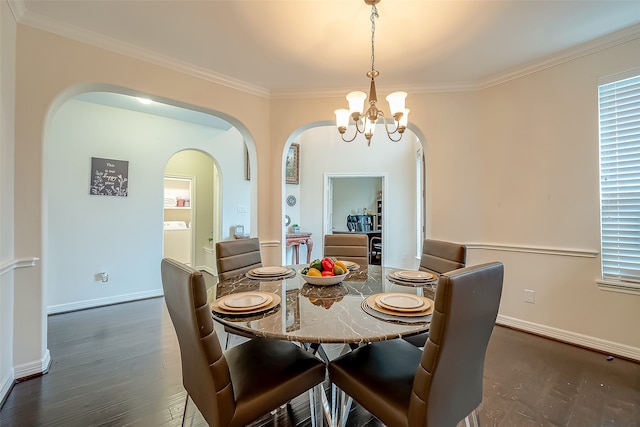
[{"x": 325, "y": 272}]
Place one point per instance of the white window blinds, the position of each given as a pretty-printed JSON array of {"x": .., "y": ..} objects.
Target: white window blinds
[{"x": 620, "y": 179}]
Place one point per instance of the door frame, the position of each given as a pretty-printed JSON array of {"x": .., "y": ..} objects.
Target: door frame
[{"x": 328, "y": 201}]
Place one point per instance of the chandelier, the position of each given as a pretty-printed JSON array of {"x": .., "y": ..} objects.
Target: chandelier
[{"x": 365, "y": 121}]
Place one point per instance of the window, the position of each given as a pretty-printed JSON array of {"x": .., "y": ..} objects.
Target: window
[{"x": 619, "y": 103}]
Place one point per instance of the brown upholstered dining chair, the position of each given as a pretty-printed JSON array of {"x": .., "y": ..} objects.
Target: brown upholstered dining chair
[
  {"x": 238, "y": 386},
  {"x": 403, "y": 386},
  {"x": 347, "y": 247},
  {"x": 236, "y": 257},
  {"x": 439, "y": 257}
]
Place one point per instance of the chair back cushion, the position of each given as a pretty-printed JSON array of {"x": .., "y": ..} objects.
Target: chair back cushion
[
  {"x": 347, "y": 247},
  {"x": 236, "y": 257},
  {"x": 205, "y": 373},
  {"x": 440, "y": 257},
  {"x": 448, "y": 382}
]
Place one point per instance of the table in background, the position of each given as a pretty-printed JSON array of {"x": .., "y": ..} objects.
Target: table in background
[{"x": 297, "y": 239}]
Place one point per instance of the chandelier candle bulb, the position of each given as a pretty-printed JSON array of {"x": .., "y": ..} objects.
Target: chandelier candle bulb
[
  {"x": 396, "y": 103},
  {"x": 356, "y": 103},
  {"x": 342, "y": 119},
  {"x": 402, "y": 125}
]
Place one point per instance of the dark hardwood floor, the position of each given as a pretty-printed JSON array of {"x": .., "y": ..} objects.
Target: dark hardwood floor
[{"x": 120, "y": 366}]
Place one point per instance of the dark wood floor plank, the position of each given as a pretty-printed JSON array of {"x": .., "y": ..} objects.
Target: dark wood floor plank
[{"x": 120, "y": 366}]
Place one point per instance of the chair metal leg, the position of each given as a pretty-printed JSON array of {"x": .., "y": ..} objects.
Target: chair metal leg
[
  {"x": 184, "y": 412},
  {"x": 472, "y": 420},
  {"x": 226, "y": 344},
  {"x": 340, "y": 406},
  {"x": 318, "y": 406}
]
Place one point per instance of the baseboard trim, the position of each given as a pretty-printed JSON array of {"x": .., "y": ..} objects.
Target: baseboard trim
[
  {"x": 6, "y": 388},
  {"x": 98, "y": 302},
  {"x": 602, "y": 346},
  {"x": 33, "y": 369}
]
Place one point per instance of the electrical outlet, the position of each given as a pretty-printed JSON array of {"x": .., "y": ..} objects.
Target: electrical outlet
[
  {"x": 102, "y": 277},
  {"x": 530, "y": 296}
]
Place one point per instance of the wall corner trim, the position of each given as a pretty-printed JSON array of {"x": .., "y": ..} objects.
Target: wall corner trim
[{"x": 9, "y": 265}]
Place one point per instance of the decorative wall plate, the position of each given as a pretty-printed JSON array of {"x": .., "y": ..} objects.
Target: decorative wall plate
[
  {"x": 291, "y": 200},
  {"x": 287, "y": 220}
]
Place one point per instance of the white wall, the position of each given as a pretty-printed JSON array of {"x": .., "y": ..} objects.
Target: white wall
[
  {"x": 323, "y": 152},
  {"x": 540, "y": 202},
  {"x": 120, "y": 235},
  {"x": 7, "y": 139}
]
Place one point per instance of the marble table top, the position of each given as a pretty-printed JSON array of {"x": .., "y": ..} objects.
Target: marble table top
[{"x": 319, "y": 314}]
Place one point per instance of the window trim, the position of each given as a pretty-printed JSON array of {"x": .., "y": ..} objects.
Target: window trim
[{"x": 615, "y": 282}]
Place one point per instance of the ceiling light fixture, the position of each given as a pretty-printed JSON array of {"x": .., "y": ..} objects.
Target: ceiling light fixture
[{"x": 366, "y": 122}]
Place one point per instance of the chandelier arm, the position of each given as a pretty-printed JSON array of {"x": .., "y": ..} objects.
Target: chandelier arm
[
  {"x": 391, "y": 138},
  {"x": 386, "y": 124},
  {"x": 349, "y": 140}
]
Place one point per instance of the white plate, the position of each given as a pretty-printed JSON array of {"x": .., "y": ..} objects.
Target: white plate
[
  {"x": 401, "y": 301},
  {"x": 245, "y": 300},
  {"x": 413, "y": 275},
  {"x": 269, "y": 271},
  {"x": 350, "y": 265}
]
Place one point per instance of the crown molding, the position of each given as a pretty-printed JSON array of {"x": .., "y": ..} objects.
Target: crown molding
[
  {"x": 619, "y": 37},
  {"x": 23, "y": 16},
  {"x": 84, "y": 36},
  {"x": 610, "y": 40}
]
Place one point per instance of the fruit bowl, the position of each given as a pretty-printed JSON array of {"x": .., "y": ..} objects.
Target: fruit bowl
[{"x": 324, "y": 280}]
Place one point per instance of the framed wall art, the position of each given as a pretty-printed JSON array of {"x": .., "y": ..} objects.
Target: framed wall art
[
  {"x": 292, "y": 164},
  {"x": 109, "y": 177}
]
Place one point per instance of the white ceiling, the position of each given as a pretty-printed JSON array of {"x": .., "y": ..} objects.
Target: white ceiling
[{"x": 295, "y": 47}]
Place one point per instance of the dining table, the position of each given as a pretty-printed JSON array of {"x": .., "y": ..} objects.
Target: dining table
[
  {"x": 320, "y": 314},
  {"x": 313, "y": 315}
]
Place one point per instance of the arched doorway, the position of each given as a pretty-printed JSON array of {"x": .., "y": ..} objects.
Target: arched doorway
[{"x": 322, "y": 154}]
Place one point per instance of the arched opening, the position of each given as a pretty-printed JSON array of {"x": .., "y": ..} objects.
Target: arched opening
[
  {"x": 86, "y": 235},
  {"x": 399, "y": 167}
]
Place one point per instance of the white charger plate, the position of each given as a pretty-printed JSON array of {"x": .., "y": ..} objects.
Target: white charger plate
[
  {"x": 269, "y": 271},
  {"x": 401, "y": 302},
  {"x": 413, "y": 275},
  {"x": 243, "y": 301}
]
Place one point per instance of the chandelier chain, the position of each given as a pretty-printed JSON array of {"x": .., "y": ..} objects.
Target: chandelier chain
[{"x": 374, "y": 15}]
